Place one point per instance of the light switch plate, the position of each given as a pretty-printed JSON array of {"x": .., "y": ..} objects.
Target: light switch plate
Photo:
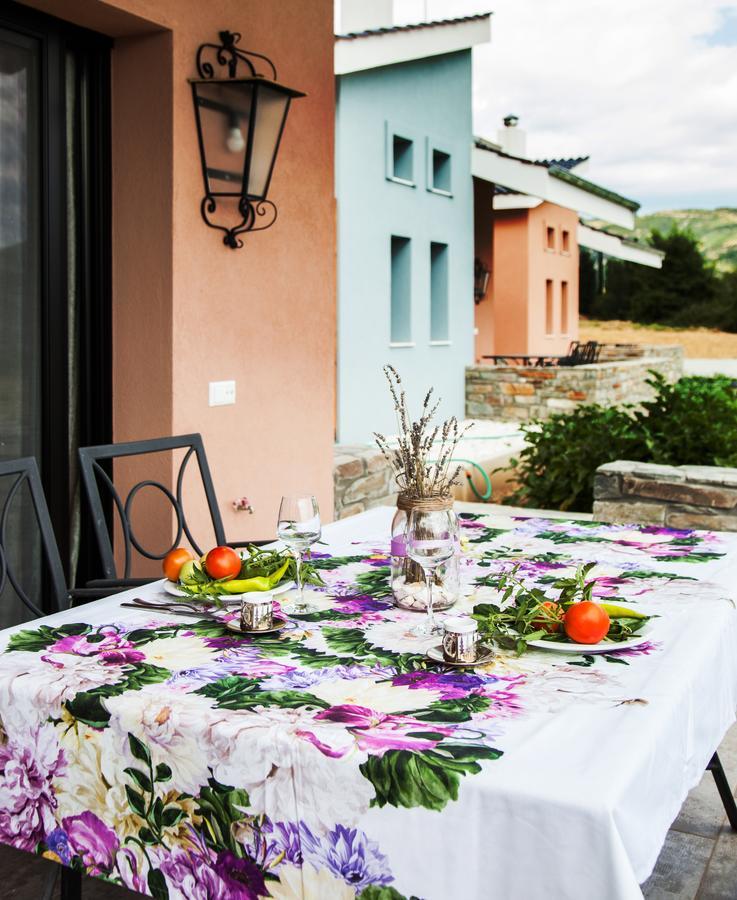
[{"x": 222, "y": 393}]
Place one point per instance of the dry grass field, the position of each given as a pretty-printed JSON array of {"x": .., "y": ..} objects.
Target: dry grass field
[{"x": 698, "y": 343}]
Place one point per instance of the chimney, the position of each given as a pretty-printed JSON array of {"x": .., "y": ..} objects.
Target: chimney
[
  {"x": 512, "y": 138},
  {"x": 365, "y": 15}
]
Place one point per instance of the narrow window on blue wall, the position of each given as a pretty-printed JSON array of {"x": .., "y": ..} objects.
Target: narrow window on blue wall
[
  {"x": 402, "y": 158},
  {"x": 439, "y": 325},
  {"x": 440, "y": 171},
  {"x": 401, "y": 298}
]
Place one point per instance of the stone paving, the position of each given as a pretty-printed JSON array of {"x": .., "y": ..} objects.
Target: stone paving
[{"x": 697, "y": 862}]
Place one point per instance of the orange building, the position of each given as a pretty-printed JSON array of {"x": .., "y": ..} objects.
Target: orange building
[{"x": 527, "y": 238}]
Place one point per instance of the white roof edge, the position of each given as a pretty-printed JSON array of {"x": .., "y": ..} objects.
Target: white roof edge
[
  {"x": 515, "y": 201},
  {"x": 527, "y": 178},
  {"x": 619, "y": 248},
  {"x": 369, "y": 51}
]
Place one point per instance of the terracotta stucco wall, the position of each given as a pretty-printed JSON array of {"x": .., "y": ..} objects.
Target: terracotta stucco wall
[
  {"x": 188, "y": 310},
  {"x": 516, "y": 321},
  {"x": 557, "y": 266},
  {"x": 509, "y": 282},
  {"x": 483, "y": 219}
]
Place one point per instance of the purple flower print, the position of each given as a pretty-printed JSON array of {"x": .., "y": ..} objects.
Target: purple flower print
[
  {"x": 240, "y": 877},
  {"x": 28, "y": 766},
  {"x": 127, "y": 867},
  {"x": 58, "y": 843},
  {"x": 304, "y": 679},
  {"x": 275, "y": 843},
  {"x": 227, "y": 642},
  {"x": 377, "y": 732},
  {"x": 361, "y": 603},
  {"x": 377, "y": 560},
  {"x": 451, "y": 685},
  {"x": 113, "y": 649},
  {"x": 643, "y": 649},
  {"x": 295, "y": 841},
  {"x": 352, "y": 856},
  {"x": 92, "y": 840},
  {"x": 190, "y": 875}
]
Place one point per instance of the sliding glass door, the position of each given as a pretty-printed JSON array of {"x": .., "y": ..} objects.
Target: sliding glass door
[{"x": 54, "y": 269}]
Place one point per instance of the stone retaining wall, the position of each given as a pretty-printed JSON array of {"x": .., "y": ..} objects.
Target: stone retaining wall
[
  {"x": 362, "y": 479},
  {"x": 674, "y": 496},
  {"x": 537, "y": 392}
]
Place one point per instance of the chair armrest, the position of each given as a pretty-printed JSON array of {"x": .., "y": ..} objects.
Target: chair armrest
[
  {"x": 79, "y": 596},
  {"x": 119, "y": 584},
  {"x": 236, "y": 544}
]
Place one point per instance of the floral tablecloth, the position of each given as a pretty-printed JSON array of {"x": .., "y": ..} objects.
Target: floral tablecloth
[{"x": 330, "y": 761}]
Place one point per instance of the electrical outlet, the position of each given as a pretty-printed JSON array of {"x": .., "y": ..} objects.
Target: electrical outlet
[{"x": 222, "y": 393}]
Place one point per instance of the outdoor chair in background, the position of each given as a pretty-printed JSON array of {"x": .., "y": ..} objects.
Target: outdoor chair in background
[
  {"x": 581, "y": 354},
  {"x": 98, "y": 484},
  {"x": 22, "y": 475}
]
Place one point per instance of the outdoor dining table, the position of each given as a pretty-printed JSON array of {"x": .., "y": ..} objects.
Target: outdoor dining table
[{"x": 332, "y": 760}]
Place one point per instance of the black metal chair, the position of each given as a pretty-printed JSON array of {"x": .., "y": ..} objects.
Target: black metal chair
[
  {"x": 25, "y": 474},
  {"x": 94, "y": 475}
]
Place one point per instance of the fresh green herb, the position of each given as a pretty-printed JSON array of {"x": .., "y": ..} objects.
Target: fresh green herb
[
  {"x": 527, "y": 614},
  {"x": 263, "y": 569}
]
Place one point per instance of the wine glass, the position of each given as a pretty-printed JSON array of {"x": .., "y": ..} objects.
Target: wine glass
[
  {"x": 299, "y": 528},
  {"x": 432, "y": 537}
]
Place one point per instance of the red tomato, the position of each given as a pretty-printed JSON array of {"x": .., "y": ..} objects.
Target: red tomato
[
  {"x": 551, "y": 619},
  {"x": 173, "y": 562},
  {"x": 222, "y": 562},
  {"x": 586, "y": 623}
]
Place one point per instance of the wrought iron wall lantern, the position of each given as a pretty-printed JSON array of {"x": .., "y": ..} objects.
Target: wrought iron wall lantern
[
  {"x": 480, "y": 280},
  {"x": 240, "y": 121}
]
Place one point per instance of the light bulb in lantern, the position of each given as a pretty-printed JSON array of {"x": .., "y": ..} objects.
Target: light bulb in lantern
[{"x": 234, "y": 142}]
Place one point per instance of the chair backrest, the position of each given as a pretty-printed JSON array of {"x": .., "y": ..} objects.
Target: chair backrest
[
  {"x": 94, "y": 475},
  {"x": 20, "y": 474}
]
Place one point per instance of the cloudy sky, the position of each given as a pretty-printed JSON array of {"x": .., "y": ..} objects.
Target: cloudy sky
[{"x": 648, "y": 88}]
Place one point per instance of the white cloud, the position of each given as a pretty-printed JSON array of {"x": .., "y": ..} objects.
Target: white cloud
[{"x": 648, "y": 89}]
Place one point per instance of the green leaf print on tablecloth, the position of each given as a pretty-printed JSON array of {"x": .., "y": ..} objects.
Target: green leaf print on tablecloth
[{"x": 429, "y": 778}]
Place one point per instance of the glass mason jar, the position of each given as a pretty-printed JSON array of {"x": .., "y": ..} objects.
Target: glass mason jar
[{"x": 409, "y": 589}]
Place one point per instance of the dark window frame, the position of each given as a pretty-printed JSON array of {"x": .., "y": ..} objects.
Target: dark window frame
[{"x": 93, "y": 262}]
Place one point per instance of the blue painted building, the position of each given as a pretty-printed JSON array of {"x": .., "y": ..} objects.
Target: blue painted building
[{"x": 405, "y": 217}]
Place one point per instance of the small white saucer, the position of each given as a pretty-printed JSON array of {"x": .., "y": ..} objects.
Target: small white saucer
[{"x": 484, "y": 655}]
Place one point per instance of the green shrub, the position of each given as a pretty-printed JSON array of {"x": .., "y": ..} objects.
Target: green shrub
[
  {"x": 691, "y": 422},
  {"x": 556, "y": 468}
]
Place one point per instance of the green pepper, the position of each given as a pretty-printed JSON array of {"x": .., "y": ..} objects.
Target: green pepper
[{"x": 260, "y": 583}]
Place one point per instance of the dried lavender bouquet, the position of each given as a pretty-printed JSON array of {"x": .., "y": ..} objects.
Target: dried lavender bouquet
[
  {"x": 421, "y": 458},
  {"x": 421, "y": 472}
]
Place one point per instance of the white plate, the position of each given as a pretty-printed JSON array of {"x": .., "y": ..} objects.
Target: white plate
[
  {"x": 171, "y": 588},
  {"x": 604, "y": 647}
]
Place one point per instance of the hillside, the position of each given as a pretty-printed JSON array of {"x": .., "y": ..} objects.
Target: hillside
[{"x": 716, "y": 230}]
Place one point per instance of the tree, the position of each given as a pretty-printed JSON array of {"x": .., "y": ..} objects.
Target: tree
[
  {"x": 587, "y": 281},
  {"x": 682, "y": 292}
]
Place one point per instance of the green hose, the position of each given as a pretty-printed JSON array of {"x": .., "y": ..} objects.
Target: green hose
[{"x": 486, "y": 496}]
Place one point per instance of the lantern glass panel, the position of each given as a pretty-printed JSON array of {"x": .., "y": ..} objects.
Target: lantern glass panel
[
  {"x": 271, "y": 111},
  {"x": 224, "y": 110}
]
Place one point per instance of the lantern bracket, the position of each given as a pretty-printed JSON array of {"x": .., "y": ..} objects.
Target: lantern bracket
[
  {"x": 227, "y": 54},
  {"x": 249, "y": 211}
]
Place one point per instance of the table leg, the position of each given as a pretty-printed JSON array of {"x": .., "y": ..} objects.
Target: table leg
[
  {"x": 71, "y": 884},
  {"x": 720, "y": 777}
]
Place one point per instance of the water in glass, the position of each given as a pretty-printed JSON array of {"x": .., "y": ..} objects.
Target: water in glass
[
  {"x": 432, "y": 538},
  {"x": 299, "y": 528}
]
